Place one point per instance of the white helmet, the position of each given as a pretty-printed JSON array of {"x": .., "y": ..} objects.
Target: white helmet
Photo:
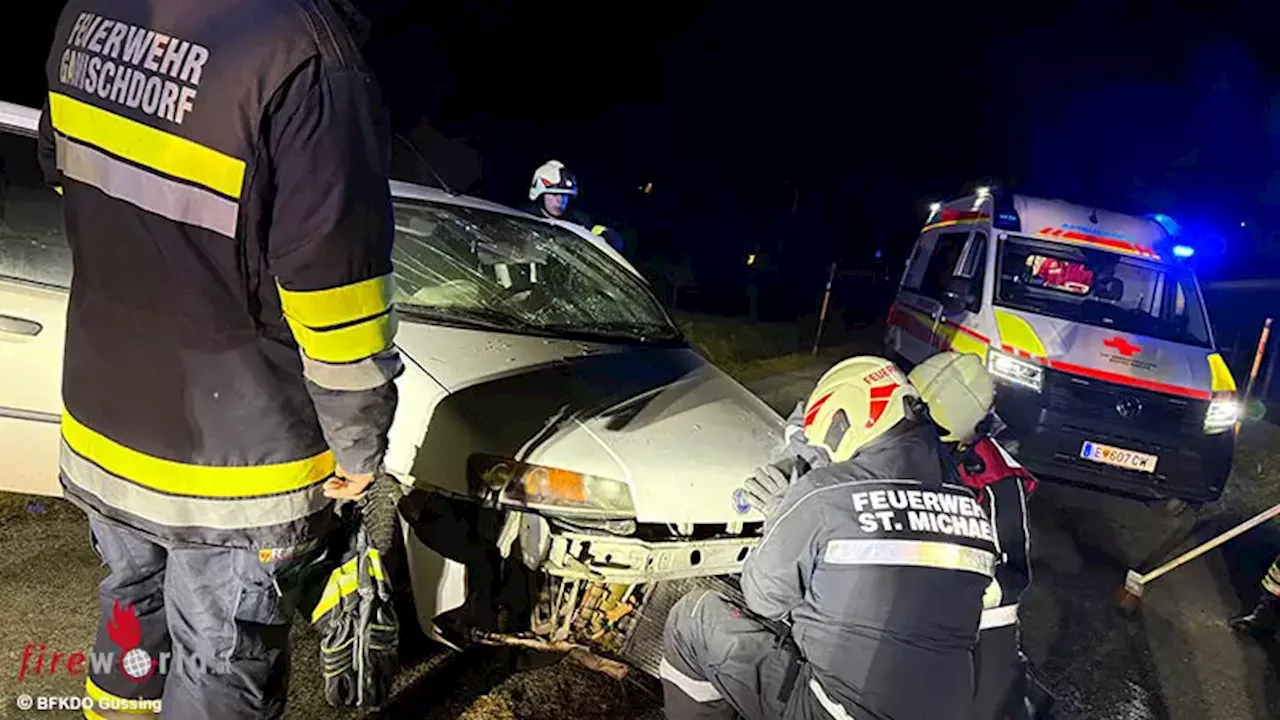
[
  {"x": 552, "y": 178},
  {"x": 854, "y": 403},
  {"x": 959, "y": 392}
]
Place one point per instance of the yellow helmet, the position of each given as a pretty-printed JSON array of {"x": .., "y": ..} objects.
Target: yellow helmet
[
  {"x": 854, "y": 403},
  {"x": 959, "y": 392}
]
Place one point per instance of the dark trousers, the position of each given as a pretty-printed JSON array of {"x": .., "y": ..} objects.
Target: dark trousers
[
  {"x": 1001, "y": 675},
  {"x": 203, "y": 629}
]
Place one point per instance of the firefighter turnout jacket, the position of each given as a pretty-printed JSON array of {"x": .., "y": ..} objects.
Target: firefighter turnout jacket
[
  {"x": 229, "y": 337},
  {"x": 880, "y": 564}
]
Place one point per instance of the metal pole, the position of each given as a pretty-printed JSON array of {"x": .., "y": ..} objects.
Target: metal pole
[
  {"x": 822, "y": 316},
  {"x": 1253, "y": 373}
]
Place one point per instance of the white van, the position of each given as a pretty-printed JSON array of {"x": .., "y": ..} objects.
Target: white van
[
  {"x": 553, "y": 423},
  {"x": 1096, "y": 331}
]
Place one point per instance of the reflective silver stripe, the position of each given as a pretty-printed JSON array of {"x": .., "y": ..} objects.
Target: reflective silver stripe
[
  {"x": 697, "y": 690},
  {"x": 999, "y": 617},
  {"x": 147, "y": 190},
  {"x": 367, "y": 374},
  {"x": 833, "y": 708},
  {"x": 914, "y": 553},
  {"x": 174, "y": 511}
]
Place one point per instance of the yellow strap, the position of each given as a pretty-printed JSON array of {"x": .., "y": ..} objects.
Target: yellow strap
[
  {"x": 345, "y": 344},
  {"x": 375, "y": 565},
  {"x": 177, "y": 478},
  {"x": 342, "y": 582},
  {"x": 337, "y": 306},
  {"x": 151, "y": 148},
  {"x": 116, "y": 704}
]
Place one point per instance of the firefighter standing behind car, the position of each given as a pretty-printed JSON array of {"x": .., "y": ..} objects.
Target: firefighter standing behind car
[
  {"x": 553, "y": 189},
  {"x": 875, "y": 565},
  {"x": 224, "y": 167}
]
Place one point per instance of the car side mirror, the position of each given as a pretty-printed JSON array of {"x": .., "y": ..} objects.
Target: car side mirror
[{"x": 958, "y": 294}]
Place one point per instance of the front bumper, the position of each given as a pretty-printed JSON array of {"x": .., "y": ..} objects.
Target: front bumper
[{"x": 1047, "y": 430}]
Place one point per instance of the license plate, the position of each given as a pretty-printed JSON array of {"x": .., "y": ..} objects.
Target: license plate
[{"x": 1119, "y": 457}]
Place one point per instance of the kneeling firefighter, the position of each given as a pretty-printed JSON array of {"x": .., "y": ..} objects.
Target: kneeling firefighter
[
  {"x": 868, "y": 581},
  {"x": 961, "y": 395}
]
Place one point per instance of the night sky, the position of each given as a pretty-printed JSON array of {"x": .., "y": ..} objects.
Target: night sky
[{"x": 863, "y": 117}]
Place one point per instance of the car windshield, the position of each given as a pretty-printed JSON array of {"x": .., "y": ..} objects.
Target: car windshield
[
  {"x": 488, "y": 269},
  {"x": 1101, "y": 288}
]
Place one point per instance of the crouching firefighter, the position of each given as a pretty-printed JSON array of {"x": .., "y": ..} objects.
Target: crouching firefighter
[
  {"x": 960, "y": 394},
  {"x": 864, "y": 596}
]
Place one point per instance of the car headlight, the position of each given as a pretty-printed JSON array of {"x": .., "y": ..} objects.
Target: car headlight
[
  {"x": 1224, "y": 412},
  {"x": 1011, "y": 369},
  {"x": 553, "y": 489}
]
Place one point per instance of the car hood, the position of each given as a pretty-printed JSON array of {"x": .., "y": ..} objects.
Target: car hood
[{"x": 681, "y": 433}]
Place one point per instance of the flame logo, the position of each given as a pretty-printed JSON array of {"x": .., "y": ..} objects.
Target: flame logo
[{"x": 123, "y": 627}]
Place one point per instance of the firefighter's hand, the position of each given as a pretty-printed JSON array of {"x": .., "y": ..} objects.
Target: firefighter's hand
[
  {"x": 765, "y": 488},
  {"x": 347, "y": 486}
]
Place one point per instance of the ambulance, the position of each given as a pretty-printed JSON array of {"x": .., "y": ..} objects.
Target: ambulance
[{"x": 1095, "y": 329}]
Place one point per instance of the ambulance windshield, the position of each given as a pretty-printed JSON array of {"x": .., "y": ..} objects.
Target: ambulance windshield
[{"x": 1101, "y": 288}]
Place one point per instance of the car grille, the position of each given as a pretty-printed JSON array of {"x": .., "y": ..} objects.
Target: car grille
[
  {"x": 644, "y": 647},
  {"x": 1097, "y": 400}
]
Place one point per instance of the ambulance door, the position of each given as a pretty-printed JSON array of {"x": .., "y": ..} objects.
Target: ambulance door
[
  {"x": 919, "y": 309},
  {"x": 962, "y": 300}
]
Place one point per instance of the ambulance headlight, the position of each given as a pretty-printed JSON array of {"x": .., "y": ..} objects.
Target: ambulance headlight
[
  {"x": 1015, "y": 371},
  {"x": 1223, "y": 414},
  {"x": 554, "y": 490}
]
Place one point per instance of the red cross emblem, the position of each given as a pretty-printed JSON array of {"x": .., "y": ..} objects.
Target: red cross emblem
[{"x": 1122, "y": 346}]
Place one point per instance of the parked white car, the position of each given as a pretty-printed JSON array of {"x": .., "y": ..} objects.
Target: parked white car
[{"x": 553, "y": 424}]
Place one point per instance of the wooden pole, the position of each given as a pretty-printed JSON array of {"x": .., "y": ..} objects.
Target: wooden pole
[
  {"x": 826, "y": 300},
  {"x": 1253, "y": 372}
]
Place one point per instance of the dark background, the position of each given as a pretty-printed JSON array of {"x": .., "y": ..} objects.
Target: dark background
[{"x": 809, "y": 134}]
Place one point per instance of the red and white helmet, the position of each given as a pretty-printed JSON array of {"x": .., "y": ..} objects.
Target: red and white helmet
[{"x": 553, "y": 178}]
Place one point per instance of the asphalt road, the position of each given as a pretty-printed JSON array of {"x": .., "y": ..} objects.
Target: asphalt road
[{"x": 1175, "y": 659}]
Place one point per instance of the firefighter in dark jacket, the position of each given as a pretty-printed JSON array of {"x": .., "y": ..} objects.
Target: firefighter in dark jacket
[
  {"x": 868, "y": 580},
  {"x": 960, "y": 394},
  {"x": 229, "y": 358},
  {"x": 552, "y": 191}
]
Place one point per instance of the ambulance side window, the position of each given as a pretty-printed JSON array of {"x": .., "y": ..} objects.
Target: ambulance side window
[
  {"x": 974, "y": 268},
  {"x": 942, "y": 263}
]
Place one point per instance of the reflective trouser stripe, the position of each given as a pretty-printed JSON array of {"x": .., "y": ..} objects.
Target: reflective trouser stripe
[
  {"x": 697, "y": 690},
  {"x": 367, "y": 374},
  {"x": 203, "y": 481},
  {"x": 345, "y": 580},
  {"x": 833, "y": 708},
  {"x": 999, "y": 617},
  {"x": 156, "y": 194},
  {"x": 144, "y": 145},
  {"x": 175, "y": 511},
  {"x": 1271, "y": 581},
  {"x": 108, "y": 705},
  {"x": 913, "y": 553}
]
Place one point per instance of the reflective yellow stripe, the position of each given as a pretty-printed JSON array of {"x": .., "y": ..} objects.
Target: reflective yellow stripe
[
  {"x": 961, "y": 342},
  {"x": 1271, "y": 586},
  {"x": 1220, "y": 374},
  {"x": 375, "y": 565},
  {"x": 598, "y": 230},
  {"x": 342, "y": 582},
  {"x": 337, "y": 306},
  {"x": 207, "y": 481},
  {"x": 116, "y": 704},
  {"x": 57, "y": 189},
  {"x": 345, "y": 344},
  {"x": 155, "y": 149},
  {"x": 1018, "y": 333},
  {"x": 911, "y": 553}
]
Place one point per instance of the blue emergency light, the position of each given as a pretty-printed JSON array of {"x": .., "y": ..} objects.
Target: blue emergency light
[{"x": 1183, "y": 251}]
